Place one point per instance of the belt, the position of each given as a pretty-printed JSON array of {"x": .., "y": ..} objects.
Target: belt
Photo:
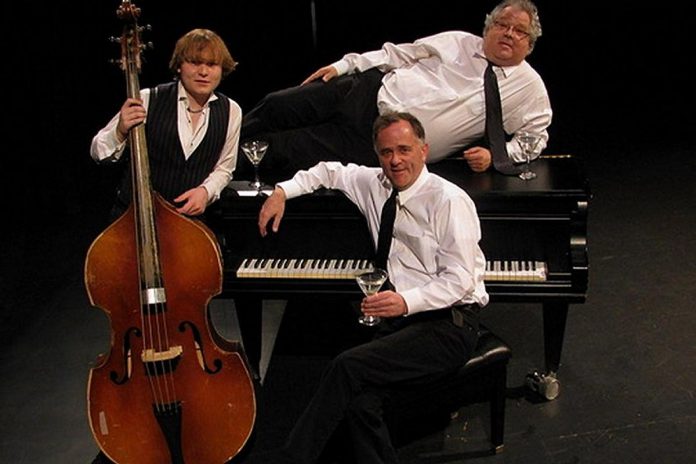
[
  {"x": 461, "y": 315},
  {"x": 466, "y": 314}
]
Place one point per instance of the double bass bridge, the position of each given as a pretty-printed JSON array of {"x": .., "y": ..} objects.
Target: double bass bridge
[{"x": 161, "y": 362}]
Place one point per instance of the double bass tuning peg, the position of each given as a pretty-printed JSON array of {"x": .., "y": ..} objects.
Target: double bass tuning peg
[{"x": 145, "y": 45}]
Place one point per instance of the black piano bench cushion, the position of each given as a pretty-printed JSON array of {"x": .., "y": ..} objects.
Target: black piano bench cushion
[{"x": 482, "y": 379}]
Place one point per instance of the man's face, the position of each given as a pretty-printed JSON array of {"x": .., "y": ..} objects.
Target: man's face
[
  {"x": 202, "y": 76},
  {"x": 401, "y": 155},
  {"x": 506, "y": 42}
]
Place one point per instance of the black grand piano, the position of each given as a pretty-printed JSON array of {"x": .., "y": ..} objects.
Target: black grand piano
[{"x": 534, "y": 236}]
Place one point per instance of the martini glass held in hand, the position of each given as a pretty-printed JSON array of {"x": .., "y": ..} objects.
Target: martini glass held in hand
[
  {"x": 527, "y": 142},
  {"x": 370, "y": 282},
  {"x": 254, "y": 151}
]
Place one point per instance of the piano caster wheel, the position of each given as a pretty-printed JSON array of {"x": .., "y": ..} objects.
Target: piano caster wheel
[{"x": 546, "y": 385}]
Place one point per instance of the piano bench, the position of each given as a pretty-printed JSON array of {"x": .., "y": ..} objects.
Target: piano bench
[{"x": 482, "y": 379}]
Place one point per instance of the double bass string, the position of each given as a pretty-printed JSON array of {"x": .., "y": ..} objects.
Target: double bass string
[
  {"x": 156, "y": 340},
  {"x": 158, "y": 355}
]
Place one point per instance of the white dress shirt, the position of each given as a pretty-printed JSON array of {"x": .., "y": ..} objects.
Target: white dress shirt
[
  {"x": 435, "y": 260},
  {"x": 439, "y": 79},
  {"x": 106, "y": 147}
]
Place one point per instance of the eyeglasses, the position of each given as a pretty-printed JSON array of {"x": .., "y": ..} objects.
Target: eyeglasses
[{"x": 516, "y": 32}]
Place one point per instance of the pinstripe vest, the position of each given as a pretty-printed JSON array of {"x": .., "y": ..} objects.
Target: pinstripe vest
[{"x": 171, "y": 173}]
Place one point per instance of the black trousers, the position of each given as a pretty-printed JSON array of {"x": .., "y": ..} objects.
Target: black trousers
[
  {"x": 412, "y": 352},
  {"x": 315, "y": 122}
]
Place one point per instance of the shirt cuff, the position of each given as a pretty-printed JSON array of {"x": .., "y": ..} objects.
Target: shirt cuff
[
  {"x": 414, "y": 301},
  {"x": 291, "y": 188},
  {"x": 209, "y": 191},
  {"x": 341, "y": 66},
  {"x": 114, "y": 142}
]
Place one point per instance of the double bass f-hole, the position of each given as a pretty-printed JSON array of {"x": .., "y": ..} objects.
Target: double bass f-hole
[{"x": 170, "y": 390}]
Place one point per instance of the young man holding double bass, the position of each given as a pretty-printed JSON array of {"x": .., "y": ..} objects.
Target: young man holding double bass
[
  {"x": 192, "y": 130},
  {"x": 182, "y": 394}
]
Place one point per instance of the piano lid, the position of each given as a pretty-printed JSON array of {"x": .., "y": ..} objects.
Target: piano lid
[
  {"x": 560, "y": 181},
  {"x": 560, "y": 184}
]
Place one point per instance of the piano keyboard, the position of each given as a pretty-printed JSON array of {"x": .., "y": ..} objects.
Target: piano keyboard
[
  {"x": 523, "y": 271},
  {"x": 267, "y": 268},
  {"x": 299, "y": 268}
]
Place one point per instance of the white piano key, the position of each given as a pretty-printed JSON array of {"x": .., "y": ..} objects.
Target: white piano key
[{"x": 347, "y": 269}]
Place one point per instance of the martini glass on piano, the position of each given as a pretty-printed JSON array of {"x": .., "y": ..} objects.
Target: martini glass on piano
[
  {"x": 254, "y": 151},
  {"x": 370, "y": 282},
  {"x": 527, "y": 142}
]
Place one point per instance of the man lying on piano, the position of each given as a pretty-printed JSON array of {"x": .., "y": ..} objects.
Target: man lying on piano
[
  {"x": 439, "y": 79},
  {"x": 429, "y": 316}
]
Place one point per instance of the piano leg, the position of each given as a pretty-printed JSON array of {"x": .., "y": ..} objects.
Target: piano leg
[
  {"x": 555, "y": 315},
  {"x": 547, "y": 384},
  {"x": 249, "y": 315}
]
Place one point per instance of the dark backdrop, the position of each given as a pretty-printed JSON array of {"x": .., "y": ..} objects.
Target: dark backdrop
[{"x": 615, "y": 71}]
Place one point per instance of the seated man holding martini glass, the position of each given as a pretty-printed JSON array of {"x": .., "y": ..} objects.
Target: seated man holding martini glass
[{"x": 429, "y": 313}]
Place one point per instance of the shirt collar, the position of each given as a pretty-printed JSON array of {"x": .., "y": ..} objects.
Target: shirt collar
[
  {"x": 411, "y": 191},
  {"x": 506, "y": 70}
]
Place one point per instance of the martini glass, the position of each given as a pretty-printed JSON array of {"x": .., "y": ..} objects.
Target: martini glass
[
  {"x": 370, "y": 282},
  {"x": 254, "y": 151},
  {"x": 527, "y": 142}
]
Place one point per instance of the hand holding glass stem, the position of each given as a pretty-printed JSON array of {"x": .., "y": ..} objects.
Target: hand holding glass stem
[{"x": 370, "y": 282}]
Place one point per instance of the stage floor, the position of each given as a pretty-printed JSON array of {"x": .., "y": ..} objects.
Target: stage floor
[{"x": 628, "y": 370}]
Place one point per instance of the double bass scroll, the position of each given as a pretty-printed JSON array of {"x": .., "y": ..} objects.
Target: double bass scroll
[{"x": 170, "y": 390}]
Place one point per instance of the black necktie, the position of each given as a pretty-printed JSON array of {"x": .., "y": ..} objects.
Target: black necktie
[
  {"x": 386, "y": 228},
  {"x": 495, "y": 135}
]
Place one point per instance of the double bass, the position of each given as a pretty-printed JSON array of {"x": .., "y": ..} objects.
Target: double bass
[{"x": 171, "y": 389}]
